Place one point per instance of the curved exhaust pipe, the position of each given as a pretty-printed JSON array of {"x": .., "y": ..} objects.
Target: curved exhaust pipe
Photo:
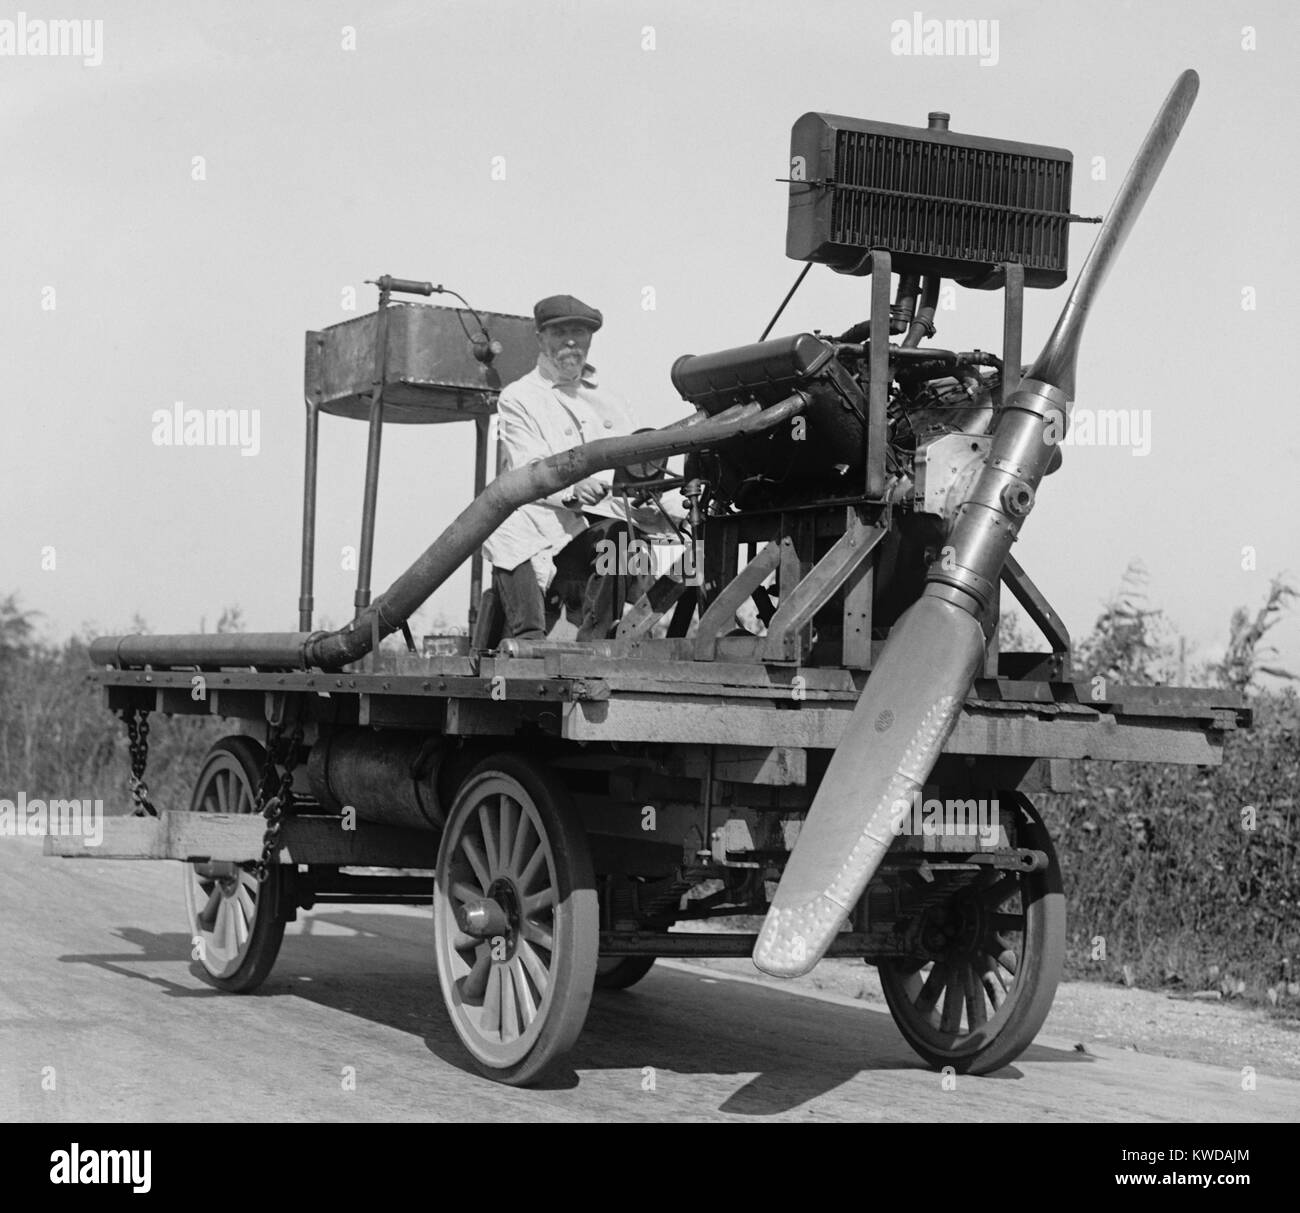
[{"x": 916, "y": 692}]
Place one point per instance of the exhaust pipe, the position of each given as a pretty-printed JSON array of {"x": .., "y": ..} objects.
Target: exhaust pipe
[{"x": 914, "y": 695}]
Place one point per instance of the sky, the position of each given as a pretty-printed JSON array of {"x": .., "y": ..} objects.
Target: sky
[{"x": 226, "y": 176}]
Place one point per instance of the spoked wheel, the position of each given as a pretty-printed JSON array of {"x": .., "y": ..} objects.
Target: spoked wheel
[
  {"x": 516, "y": 919},
  {"x": 998, "y": 948},
  {"x": 235, "y": 922},
  {"x": 619, "y": 972}
]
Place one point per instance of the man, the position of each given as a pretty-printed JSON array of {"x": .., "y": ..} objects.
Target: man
[{"x": 556, "y": 406}]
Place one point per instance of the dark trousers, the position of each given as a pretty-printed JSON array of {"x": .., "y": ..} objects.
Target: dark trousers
[
  {"x": 521, "y": 599},
  {"x": 597, "y": 598}
]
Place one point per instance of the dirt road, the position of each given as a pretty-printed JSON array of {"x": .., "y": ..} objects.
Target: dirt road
[{"x": 103, "y": 1018}]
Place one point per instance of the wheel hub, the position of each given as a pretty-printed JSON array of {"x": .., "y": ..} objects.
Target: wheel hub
[
  {"x": 497, "y": 915},
  {"x": 954, "y": 929},
  {"x": 505, "y": 896}
]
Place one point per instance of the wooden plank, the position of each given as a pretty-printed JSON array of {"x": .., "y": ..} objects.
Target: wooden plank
[
  {"x": 237, "y": 838},
  {"x": 722, "y": 721},
  {"x": 777, "y": 766},
  {"x": 665, "y": 660},
  {"x": 626, "y": 671},
  {"x": 672, "y": 819},
  {"x": 223, "y": 836},
  {"x": 180, "y": 701},
  {"x": 403, "y": 711},
  {"x": 1028, "y": 774},
  {"x": 859, "y": 593},
  {"x": 431, "y": 686},
  {"x": 1187, "y": 702},
  {"x": 780, "y": 766},
  {"x": 475, "y": 717},
  {"x": 769, "y": 691},
  {"x": 657, "y": 666}
]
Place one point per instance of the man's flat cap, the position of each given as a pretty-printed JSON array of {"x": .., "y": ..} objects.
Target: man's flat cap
[{"x": 557, "y": 309}]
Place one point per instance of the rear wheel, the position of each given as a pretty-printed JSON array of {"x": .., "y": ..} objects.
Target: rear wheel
[
  {"x": 996, "y": 950},
  {"x": 236, "y": 927},
  {"x": 516, "y": 919}
]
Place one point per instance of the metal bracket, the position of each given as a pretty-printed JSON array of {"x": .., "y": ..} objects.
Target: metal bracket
[
  {"x": 1013, "y": 312},
  {"x": 879, "y": 375},
  {"x": 818, "y": 587},
  {"x": 276, "y": 702},
  {"x": 1040, "y": 611}
]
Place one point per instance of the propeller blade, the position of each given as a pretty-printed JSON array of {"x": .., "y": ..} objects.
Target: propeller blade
[
  {"x": 1056, "y": 363},
  {"x": 906, "y": 712}
]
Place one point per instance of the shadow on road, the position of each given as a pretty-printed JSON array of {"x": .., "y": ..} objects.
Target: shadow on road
[
  {"x": 380, "y": 967},
  {"x": 150, "y": 946}
]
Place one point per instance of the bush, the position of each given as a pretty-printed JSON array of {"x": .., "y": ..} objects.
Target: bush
[
  {"x": 1189, "y": 875},
  {"x": 1176, "y": 874},
  {"x": 57, "y": 739}
]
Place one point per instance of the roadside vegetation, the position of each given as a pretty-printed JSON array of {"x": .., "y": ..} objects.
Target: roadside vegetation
[{"x": 1188, "y": 877}]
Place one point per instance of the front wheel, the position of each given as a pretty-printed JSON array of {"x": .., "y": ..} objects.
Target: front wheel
[
  {"x": 996, "y": 951},
  {"x": 516, "y": 919}
]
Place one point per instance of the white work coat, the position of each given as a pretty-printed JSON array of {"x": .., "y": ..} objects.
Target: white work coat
[{"x": 538, "y": 417}]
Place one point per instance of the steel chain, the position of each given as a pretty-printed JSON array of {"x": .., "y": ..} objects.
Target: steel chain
[
  {"x": 137, "y": 733},
  {"x": 276, "y": 800}
]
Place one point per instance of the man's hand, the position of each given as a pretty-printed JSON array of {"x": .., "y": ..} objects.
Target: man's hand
[{"x": 587, "y": 492}]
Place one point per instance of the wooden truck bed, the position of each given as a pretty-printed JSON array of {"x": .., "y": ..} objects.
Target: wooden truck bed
[{"x": 587, "y": 698}]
